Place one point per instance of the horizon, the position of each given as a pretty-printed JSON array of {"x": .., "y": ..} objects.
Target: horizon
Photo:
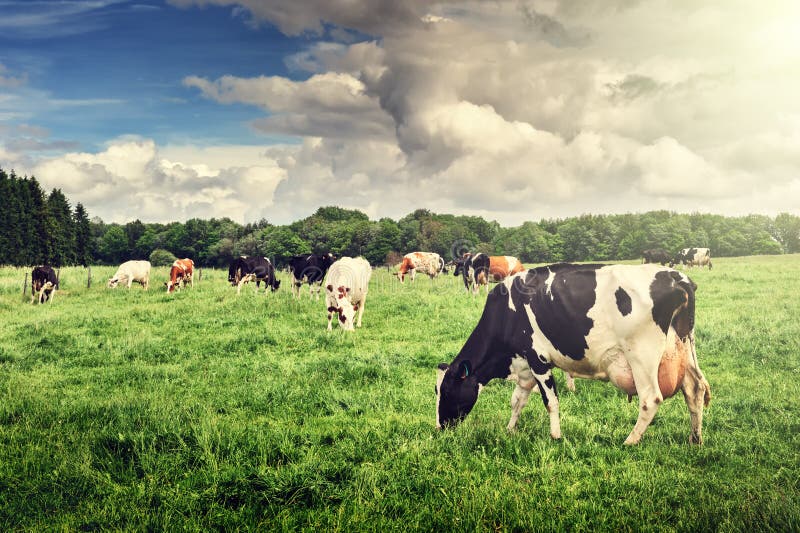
[{"x": 168, "y": 110}]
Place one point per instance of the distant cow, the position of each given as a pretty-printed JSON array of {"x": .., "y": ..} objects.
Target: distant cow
[
  {"x": 656, "y": 255},
  {"x": 479, "y": 269},
  {"x": 182, "y": 270},
  {"x": 632, "y": 325},
  {"x": 130, "y": 271},
  {"x": 693, "y": 257},
  {"x": 44, "y": 284},
  {"x": 429, "y": 263},
  {"x": 346, "y": 287},
  {"x": 309, "y": 269},
  {"x": 246, "y": 269}
]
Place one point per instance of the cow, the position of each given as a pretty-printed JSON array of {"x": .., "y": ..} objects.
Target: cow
[
  {"x": 130, "y": 271},
  {"x": 44, "y": 284},
  {"x": 632, "y": 325},
  {"x": 656, "y": 255},
  {"x": 429, "y": 263},
  {"x": 346, "y": 287},
  {"x": 693, "y": 257},
  {"x": 479, "y": 269},
  {"x": 310, "y": 269},
  {"x": 181, "y": 271},
  {"x": 246, "y": 269}
]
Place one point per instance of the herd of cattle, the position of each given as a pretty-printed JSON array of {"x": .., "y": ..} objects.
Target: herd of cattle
[{"x": 632, "y": 325}]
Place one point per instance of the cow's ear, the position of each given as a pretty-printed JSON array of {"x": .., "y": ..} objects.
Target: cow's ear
[{"x": 464, "y": 369}]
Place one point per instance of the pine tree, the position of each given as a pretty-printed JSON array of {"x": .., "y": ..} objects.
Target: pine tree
[
  {"x": 84, "y": 240},
  {"x": 62, "y": 229}
]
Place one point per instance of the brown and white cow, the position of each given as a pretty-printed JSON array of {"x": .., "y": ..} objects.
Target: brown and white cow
[
  {"x": 44, "y": 283},
  {"x": 429, "y": 263},
  {"x": 130, "y": 271},
  {"x": 181, "y": 271},
  {"x": 479, "y": 269},
  {"x": 346, "y": 287},
  {"x": 632, "y": 325}
]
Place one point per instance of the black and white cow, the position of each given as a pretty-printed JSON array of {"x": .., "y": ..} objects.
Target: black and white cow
[
  {"x": 693, "y": 257},
  {"x": 632, "y": 325},
  {"x": 44, "y": 284},
  {"x": 310, "y": 269},
  {"x": 245, "y": 269},
  {"x": 656, "y": 255}
]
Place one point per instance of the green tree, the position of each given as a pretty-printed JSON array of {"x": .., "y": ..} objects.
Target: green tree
[
  {"x": 61, "y": 229},
  {"x": 113, "y": 245},
  {"x": 161, "y": 257},
  {"x": 85, "y": 247}
]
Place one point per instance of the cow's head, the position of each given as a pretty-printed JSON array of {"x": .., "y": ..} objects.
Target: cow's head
[
  {"x": 344, "y": 308},
  {"x": 276, "y": 285},
  {"x": 112, "y": 283},
  {"x": 456, "y": 393}
]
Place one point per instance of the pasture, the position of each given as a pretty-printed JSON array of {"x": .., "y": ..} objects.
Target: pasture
[{"x": 134, "y": 410}]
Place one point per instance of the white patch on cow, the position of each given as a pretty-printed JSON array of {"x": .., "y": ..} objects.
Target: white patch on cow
[
  {"x": 509, "y": 283},
  {"x": 548, "y": 283}
]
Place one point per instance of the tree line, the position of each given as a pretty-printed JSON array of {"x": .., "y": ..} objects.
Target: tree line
[{"x": 39, "y": 228}]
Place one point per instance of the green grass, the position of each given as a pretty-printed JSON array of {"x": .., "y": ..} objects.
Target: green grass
[{"x": 133, "y": 410}]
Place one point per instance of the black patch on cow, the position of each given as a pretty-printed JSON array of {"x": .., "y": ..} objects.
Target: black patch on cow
[
  {"x": 623, "y": 302},
  {"x": 561, "y": 309},
  {"x": 669, "y": 294}
]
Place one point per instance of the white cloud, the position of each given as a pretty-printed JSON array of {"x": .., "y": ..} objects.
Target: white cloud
[{"x": 132, "y": 179}]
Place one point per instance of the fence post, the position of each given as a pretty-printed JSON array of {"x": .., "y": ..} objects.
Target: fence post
[
  {"x": 25, "y": 285},
  {"x": 89, "y": 278},
  {"x": 199, "y": 274}
]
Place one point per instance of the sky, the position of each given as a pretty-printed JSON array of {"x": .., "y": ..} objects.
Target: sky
[{"x": 514, "y": 110}]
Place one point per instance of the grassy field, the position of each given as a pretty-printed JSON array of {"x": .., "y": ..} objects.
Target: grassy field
[{"x": 134, "y": 410}]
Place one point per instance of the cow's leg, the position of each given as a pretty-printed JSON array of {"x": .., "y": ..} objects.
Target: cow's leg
[
  {"x": 330, "y": 316},
  {"x": 697, "y": 393},
  {"x": 547, "y": 388},
  {"x": 361, "y": 310},
  {"x": 644, "y": 359},
  {"x": 570, "y": 381}
]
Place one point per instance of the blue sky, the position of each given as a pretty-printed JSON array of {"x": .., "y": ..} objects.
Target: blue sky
[
  {"x": 513, "y": 110},
  {"x": 101, "y": 69}
]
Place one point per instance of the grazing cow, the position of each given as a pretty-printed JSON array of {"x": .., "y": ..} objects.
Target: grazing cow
[
  {"x": 693, "y": 257},
  {"x": 182, "y": 270},
  {"x": 632, "y": 325},
  {"x": 44, "y": 284},
  {"x": 130, "y": 271},
  {"x": 246, "y": 269},
  {"x": 310, "y": 269},
  {"x": 346, "y": 286},
  {"x": 656, "y": 255},
  {"x": 479, "y": 269},
  {"x": 429, "y": 263}
]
